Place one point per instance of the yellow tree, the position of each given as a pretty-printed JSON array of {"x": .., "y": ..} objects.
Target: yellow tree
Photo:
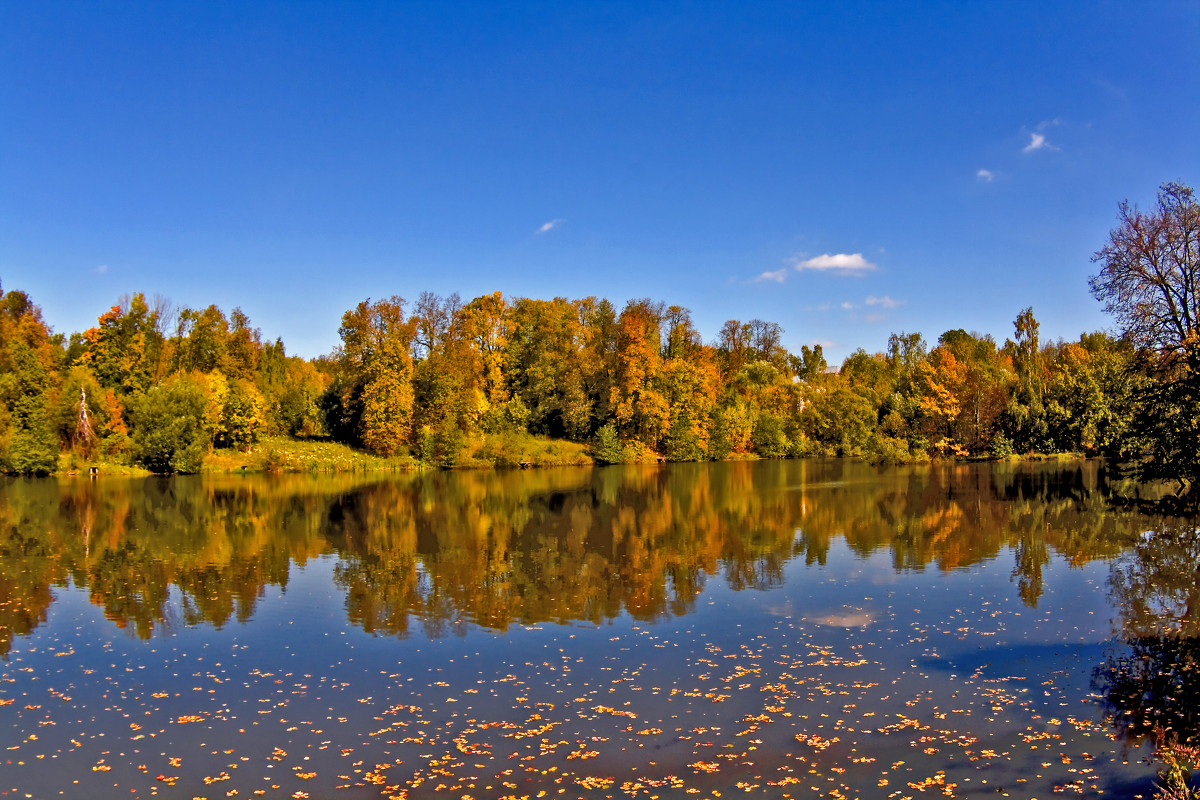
[
  {"x": 689, "y": 380},
  {"x": 941, "y": 380},
  {"x": 485, "y": 324},
  {"x": 374, "y": 391},
  {"x": 643, "y": 412}
]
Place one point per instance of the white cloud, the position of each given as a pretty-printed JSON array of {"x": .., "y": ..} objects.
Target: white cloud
[
  {"x": 848, "y": 306},
  {"x": 776, "y": 275},
  {"x": 985, "y": 175},
  {"x": 101, "y": 269},
  {"x": 885, "y": 301},
  {"x": 1037, "y": 138},
  {"x": 840, "y": 263},
  {"x": 549, "y": 226},
  {"x": 1037, "y": 141}
]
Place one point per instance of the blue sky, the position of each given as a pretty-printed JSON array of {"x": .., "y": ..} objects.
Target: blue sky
[{"x": 844, "y": 169}]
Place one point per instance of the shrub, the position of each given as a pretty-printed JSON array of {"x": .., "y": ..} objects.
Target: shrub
[
  {"x": 168, "y": 427},
  {"x": 768, "y": 438},
  {"x": 606, "y": 446}
]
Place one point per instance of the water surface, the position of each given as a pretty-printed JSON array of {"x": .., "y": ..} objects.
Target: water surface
[{"x": 794, "y": 628}]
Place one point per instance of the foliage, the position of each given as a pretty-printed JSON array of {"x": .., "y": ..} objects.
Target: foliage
[
  {"x": 1149, "y": 276},
  {"x": 28, "y": 444},
  {"x": 243, "y": 416},
  {"x": 168, "y": 426},
  {"x": 126, "y": 349},
  {"x": 1178, "y": 761},
  {"x": 1166, "y": 428},
  {"x": 372, "y": 403},
  {"x": 769, "y": 438},
  {"x": 842, "y": 420},
  {"x": 606, "y": 446},
  {"x": 1150, "y": 280},
  {"x": 641, "y": 385}
]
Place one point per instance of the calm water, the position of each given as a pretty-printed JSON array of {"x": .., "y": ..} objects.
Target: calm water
[{"x": 795, "y": 628}]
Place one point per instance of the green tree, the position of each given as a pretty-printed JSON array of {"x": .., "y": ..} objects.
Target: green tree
[
  {"x": 168, "y": 425},
  {"x": 841, "y": 419},
  {"x": 126, "y": 348},
  {"x": 1088, "y": 393},
  {"x": 545, "y": 368},
  {"x": 28, "y": 378},
  {"x": 606, "y": 446}
]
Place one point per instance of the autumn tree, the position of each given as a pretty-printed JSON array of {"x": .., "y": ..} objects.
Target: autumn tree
[
  {"x": 689, "y": 379},
  {"x": 981, "y": 391},
  {"x": 28, "y": 379},
  {"x": 1149, "y": 276},
  {"x": 1025, "y": 417},
  {"x": 448, "y": 374},
  {"x": 598, "y": 356},
  {"x": 125, "y": 348},
  {"x": 485, "y": 326},
  {"x": 642, "y": 409},
  {"x": 810, "y": 366},
  {"x": 371, "y": 402},
  {"x": 201, "y": 341},
  {"x": 243, "y": 347},
  {"x": 1149, "y": 279},
  {"x": 292, "y": 388}
]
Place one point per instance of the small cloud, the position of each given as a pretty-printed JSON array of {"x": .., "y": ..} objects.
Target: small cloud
[
  {"x": 985, "y": 175},
  {"x": 549, "y": 226},
  {"x": 848, "y": 306},
  {"x": 840, "y": 263},
  {"x": 101, "y": 269},
  {"x": 777, "y": 275},
  {"x": 1037, "y": 141},
  {"x": 885, "y": 301}
]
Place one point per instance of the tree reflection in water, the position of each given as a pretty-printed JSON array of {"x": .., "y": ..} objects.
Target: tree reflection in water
[
  {"x": 1150, "y": 680},
  {"x": 443, "y": 551}
]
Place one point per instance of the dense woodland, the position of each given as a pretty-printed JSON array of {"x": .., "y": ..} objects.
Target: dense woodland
[{"x": 161, "y": 387}]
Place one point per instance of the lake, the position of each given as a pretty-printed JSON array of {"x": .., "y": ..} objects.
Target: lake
[{"x": 787, "y": 628}]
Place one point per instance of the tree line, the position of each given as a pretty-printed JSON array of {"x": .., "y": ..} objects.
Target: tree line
[{"x": 161, "y": 387}]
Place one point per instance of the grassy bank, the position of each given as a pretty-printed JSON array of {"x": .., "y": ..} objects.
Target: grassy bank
[{"x": 284, "y": 454}]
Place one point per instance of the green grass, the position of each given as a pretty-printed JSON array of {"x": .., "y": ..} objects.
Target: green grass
[
  {"x": 70, "y": 464},
  {"x": 515, "y": 449},
  {"x": 284, "y": 454}
]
